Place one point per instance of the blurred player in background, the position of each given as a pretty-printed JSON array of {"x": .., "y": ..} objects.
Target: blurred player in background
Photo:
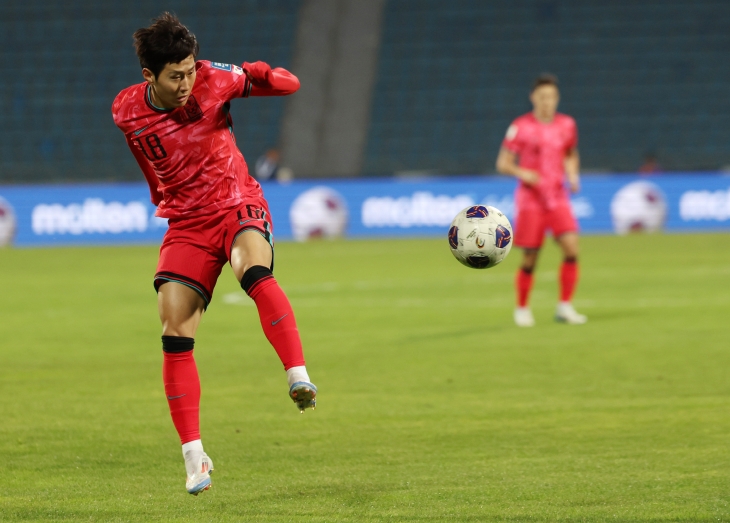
[
  {"x": 540, "y": 149},
  {"x": 178, "y": 126}
]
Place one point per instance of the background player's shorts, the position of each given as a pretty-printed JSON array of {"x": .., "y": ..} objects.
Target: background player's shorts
[
  {"x": 532, "y": 222},
  {"x": 194, "y": 250}
]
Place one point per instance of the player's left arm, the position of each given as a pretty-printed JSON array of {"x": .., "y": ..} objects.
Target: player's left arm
[
  {"x": 572, "y": 169},
  {"x": 572, "y": 158},
  {"x": 265, "y": 81}
]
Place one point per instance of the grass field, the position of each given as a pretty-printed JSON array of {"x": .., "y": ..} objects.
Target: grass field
[{"x": 433, "y": 406}]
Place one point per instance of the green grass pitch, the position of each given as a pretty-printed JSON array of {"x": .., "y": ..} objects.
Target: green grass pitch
[{"x": 433, "y": 406}]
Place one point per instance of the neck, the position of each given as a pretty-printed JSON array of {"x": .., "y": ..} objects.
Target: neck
[
  {"x": 154, "y": 98},
  {"x": 543, "y": 118}
]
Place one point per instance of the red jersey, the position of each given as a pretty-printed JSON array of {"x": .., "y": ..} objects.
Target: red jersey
[
  {"x": 542, "y": 147},
  {"x": 188, "y": 154}
]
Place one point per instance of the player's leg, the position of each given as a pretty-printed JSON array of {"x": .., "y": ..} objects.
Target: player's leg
[
  {"x": 181, "y": 309},
  {"x": 251, "y": 260},
  {"x": 565, "y": 312},
  {"x": 185, "y": 279},
  {"x": 529, "y": 234},
  {"x": 523, "y": 284}
]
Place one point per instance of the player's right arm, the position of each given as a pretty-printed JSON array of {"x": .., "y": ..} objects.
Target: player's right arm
[
  {"x": 507, "y": 164},
  {"x": 148, "y": 171},
  {"x": 507, "y": 158}
]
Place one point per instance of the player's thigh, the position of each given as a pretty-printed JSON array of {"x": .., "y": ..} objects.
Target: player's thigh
[
  {"x": 529, "y": 258},
  {"x": 250, "y": 248},
  {"x": 530, "y": 229},
  {"x": 249, "y": 236},
  {"x": 568, "y": 242},
  {"x": 190, "y": 265},
  {"x": 565, "y": 229},
  {"x": 180, "y": 308}
]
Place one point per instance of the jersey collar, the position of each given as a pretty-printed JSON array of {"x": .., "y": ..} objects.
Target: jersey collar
[{"x": 148, "y": 99}]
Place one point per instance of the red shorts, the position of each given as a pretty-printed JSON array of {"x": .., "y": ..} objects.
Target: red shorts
[
  {"x": 194, "y": 250},
  {"x": 532, "y": 222}
]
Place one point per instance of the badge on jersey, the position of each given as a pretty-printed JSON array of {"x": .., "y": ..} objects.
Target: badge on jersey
[
  {"x": 222, "y": 67},
  {"x": 237, "y": 70}
]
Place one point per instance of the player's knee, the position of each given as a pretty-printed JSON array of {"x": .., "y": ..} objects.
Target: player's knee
[
  {"x": 177, "y": 344},
  {"x": 254, "y": 276}
]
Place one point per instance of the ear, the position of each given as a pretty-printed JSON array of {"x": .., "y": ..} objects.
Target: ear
[{"x": 148, "y": 76}]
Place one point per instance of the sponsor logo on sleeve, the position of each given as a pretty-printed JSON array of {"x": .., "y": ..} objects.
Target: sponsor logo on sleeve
[{"x": 222, "y": 67}]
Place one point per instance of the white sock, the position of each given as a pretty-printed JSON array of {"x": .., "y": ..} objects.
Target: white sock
[
  {"x": 295, "y": 374},
  {"x": 195, "y": 446},
  {"x": 193, "y": 450}
]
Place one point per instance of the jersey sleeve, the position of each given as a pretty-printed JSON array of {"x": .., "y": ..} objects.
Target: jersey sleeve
[
  {"x": 573, "y": 136},
  {"x": 512, "y": 139},
  {"x": 266, "y": 81},
  {"x": 228, "y": 81},
  {"x": 148, "y": 171}
]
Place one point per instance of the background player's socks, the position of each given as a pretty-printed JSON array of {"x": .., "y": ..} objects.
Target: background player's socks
[
  {"x": 276, "y": 315},
  {"x": 568, "y": 278},
  {"x": 295, "y": 374},
  {"x": 523, "y": 283},
  {"x": 182, "y": 386}
]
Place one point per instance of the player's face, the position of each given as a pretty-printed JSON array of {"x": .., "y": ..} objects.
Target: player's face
[
  {"x": 173, "y": 85},
  {"x": 545, "y": 101}
]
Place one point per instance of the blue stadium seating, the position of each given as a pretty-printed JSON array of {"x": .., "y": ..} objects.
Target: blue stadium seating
[
  {"x": 65, "y": 62},
  {"x": 637, "y": 76}
]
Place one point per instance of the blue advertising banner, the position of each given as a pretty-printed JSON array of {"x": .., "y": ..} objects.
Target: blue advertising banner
[{"x": 122, "y": 214}]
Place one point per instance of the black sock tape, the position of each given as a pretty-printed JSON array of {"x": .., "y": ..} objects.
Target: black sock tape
[
  {"x": 254, "y": 275},
  {"x": 177, "y": 344}
]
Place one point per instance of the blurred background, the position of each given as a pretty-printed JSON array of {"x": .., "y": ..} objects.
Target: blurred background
[{"x": 390, "y": 88}]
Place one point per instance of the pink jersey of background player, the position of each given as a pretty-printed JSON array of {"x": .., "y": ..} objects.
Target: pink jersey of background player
[
  {"x": 542, "y": 147},
  {"x": 541, "y": 151},
  {"x": 184, "y": 182}
]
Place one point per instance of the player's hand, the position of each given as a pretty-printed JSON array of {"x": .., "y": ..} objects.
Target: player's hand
[
  {"x": 528, "y": 177},
  {"x": 574, "y": 186},
  {"x": 259, "y": 73}
]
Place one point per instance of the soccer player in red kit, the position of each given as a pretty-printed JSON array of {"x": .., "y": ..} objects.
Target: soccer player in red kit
[
  {"x": 540, "y": 149},
  {"x": 178, "y": 126}
]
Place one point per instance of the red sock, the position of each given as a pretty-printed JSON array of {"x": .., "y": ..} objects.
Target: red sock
[
  {"x": 523, "y": 283},
  {"x": 277, "y": 319},
  {"x": 568, "y": 279},
  {"x": 182, "y": 388}
]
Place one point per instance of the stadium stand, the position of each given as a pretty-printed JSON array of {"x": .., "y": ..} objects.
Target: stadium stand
[
  {"x": 637, "y": 76},
  {"x": 65, "y": 62}
]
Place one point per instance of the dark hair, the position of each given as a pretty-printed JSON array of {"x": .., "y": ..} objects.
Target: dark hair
[
  {"x": 544, "y": 79},
  {"x": 166, "y": 41}
]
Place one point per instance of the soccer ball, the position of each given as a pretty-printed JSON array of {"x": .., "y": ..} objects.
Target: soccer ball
[{"x": 480, "y": 237}]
